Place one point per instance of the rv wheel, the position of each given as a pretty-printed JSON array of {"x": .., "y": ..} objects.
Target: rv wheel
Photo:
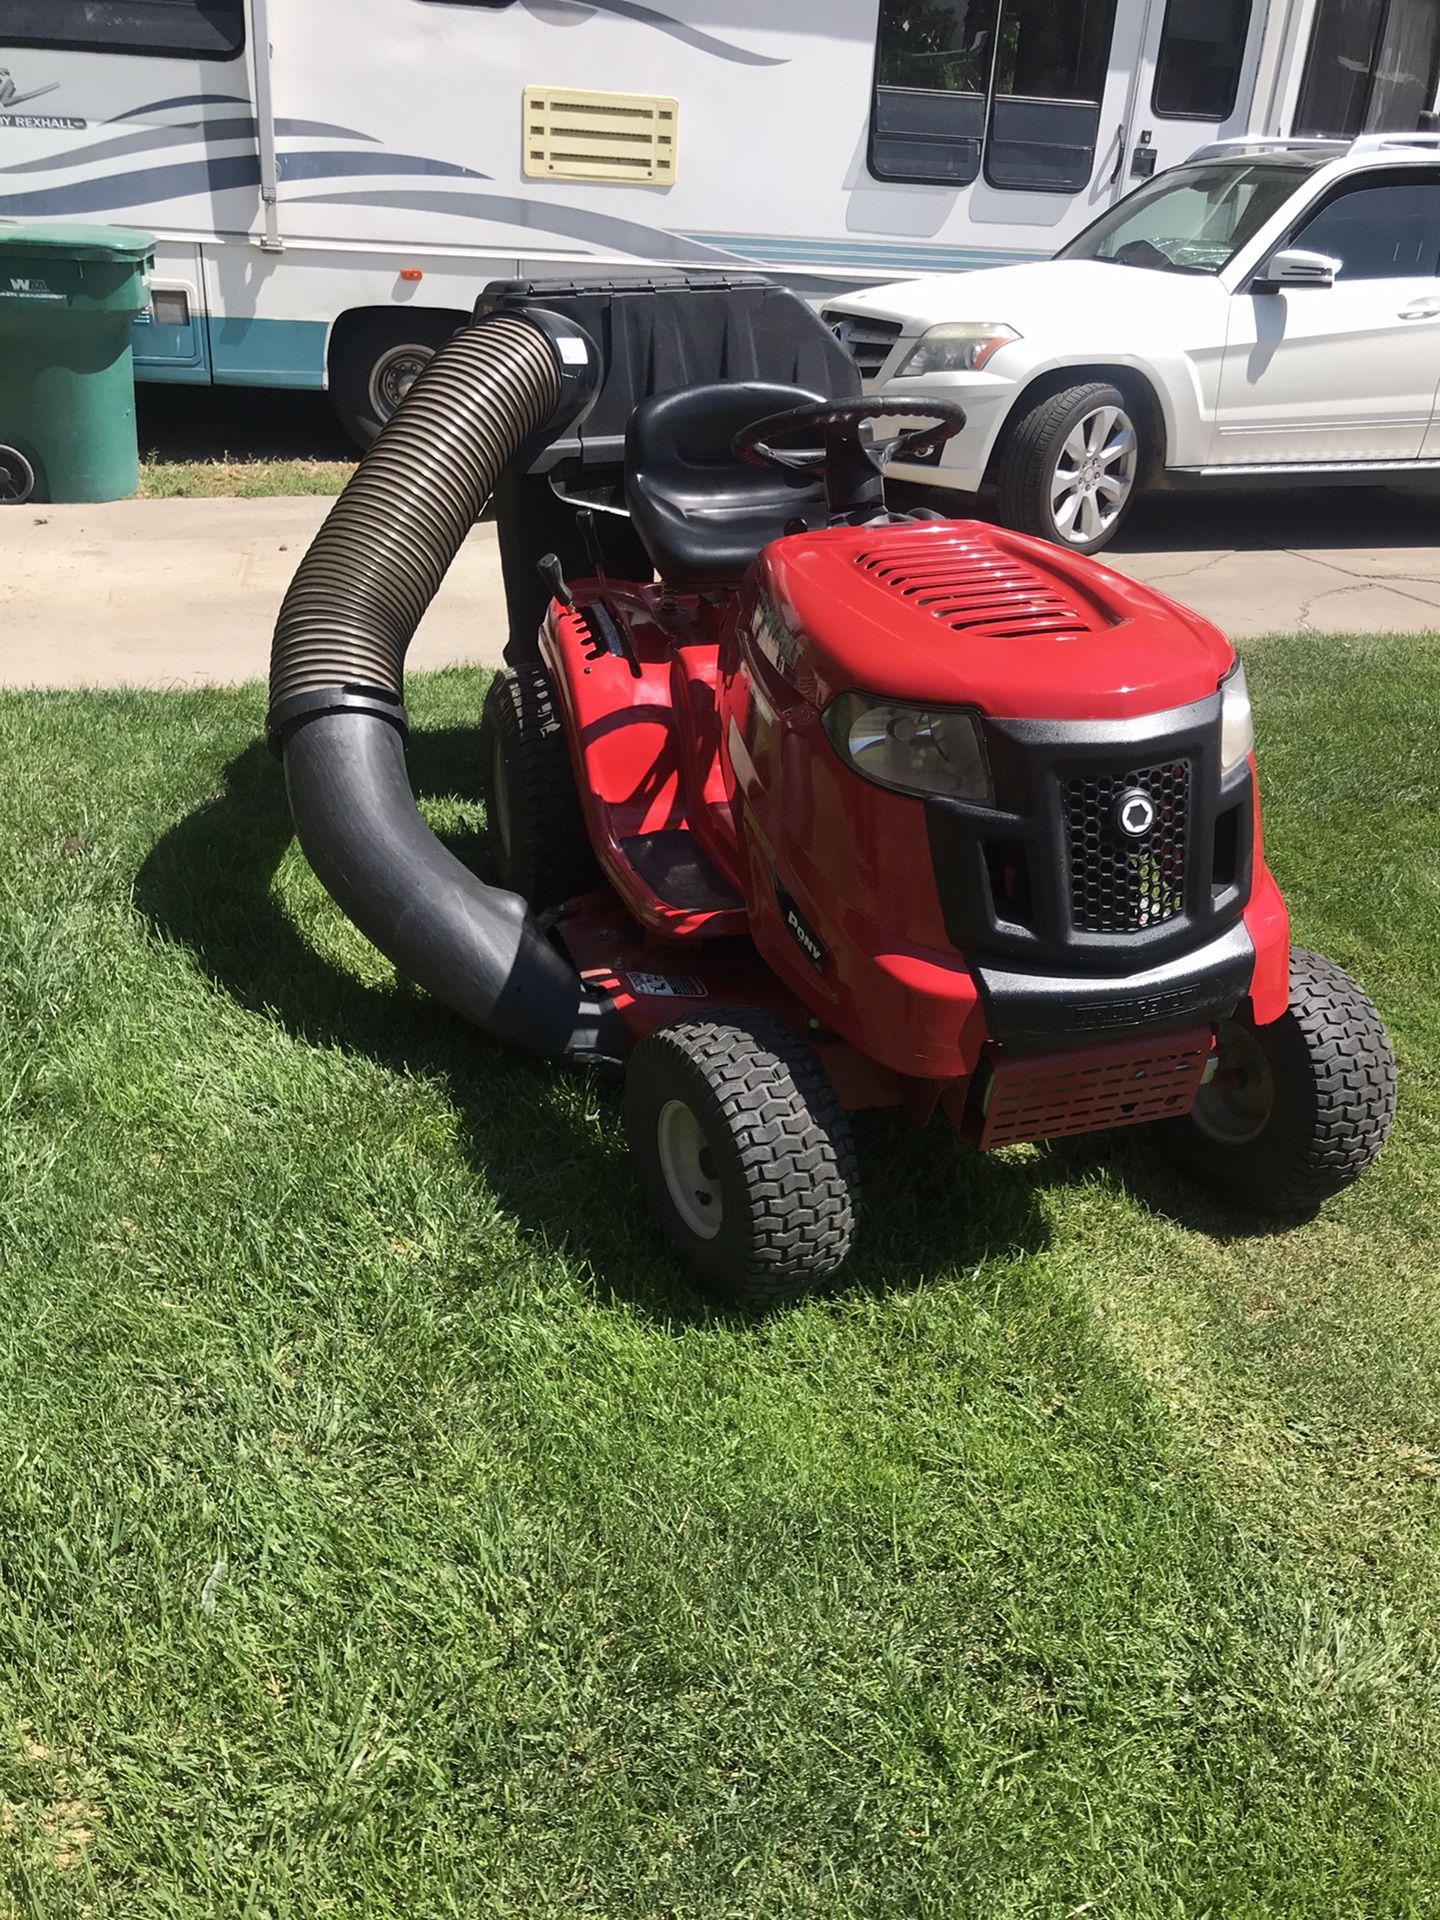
[{"x": 375, "y": 360}]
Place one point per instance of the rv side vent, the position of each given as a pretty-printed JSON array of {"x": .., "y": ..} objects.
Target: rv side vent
[{"x": 600, "y": 136}]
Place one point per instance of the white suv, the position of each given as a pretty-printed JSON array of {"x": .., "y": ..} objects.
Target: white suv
[{"x": 1269, "y": 308}]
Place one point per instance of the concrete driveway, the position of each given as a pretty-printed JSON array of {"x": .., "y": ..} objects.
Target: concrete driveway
[{"x": 184, "y": 593}]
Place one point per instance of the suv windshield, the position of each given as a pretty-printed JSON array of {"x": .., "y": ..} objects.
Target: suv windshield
[{"x": 1192, "y": 219}]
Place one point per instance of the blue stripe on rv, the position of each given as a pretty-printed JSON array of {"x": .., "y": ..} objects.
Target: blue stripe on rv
[
  {"x": 234, "y": 353},
  {"x": 879, "y": 256},
  {"x": 268, "y": 353}
]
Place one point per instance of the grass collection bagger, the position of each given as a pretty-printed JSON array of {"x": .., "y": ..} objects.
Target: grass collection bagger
[{"x": 800, "y": 805}]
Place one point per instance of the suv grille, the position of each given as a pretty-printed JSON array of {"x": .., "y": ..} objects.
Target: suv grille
[
  {"x": 1119, "y": 884},
  {"x": 868, "y": 341}
]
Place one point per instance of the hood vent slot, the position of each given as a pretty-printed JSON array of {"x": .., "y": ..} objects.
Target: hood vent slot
[{"x": 974, "y": 588}]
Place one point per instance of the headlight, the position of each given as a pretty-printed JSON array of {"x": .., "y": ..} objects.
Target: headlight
[
  {"x": 912, "y": 749},
  {"x": 1237, "y": 723},
  {"x": 959, "y": 346}
]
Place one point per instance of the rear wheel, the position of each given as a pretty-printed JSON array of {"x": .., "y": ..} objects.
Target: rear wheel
[
  {"x": 744, "y": 1154},
  {"x": 537, "y": 832},
  {"x": 1070, "y": 467},
  {"x": 1299, "y": 1109},
  {"x": 375, "y": 361}
]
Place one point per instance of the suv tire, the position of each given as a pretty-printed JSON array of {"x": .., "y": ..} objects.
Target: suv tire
[{"x": 1070, "y": 467}]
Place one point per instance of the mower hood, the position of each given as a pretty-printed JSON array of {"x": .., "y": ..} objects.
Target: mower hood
[{"x": 960, "y": 613}]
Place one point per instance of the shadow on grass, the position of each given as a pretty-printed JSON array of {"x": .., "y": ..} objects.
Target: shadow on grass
[
  {"x": 1133, "y": 1161},
  {"x": 932, "y": 1207}
]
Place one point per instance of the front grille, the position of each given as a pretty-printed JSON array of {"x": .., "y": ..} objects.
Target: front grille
[
  {"x": 868, "y": 341},
  {"x": 1120, "y": 884}
]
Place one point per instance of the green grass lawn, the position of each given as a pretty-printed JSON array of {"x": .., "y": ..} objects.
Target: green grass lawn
[
  {"x": 384, "y": 1530},
  {"x": 220, "y": 479}
]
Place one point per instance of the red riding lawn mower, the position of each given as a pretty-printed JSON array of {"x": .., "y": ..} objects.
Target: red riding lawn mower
[{"x": 802, "y": 805}]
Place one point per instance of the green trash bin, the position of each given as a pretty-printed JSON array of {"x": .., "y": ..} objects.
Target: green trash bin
[{"x": 68, "y": 299}]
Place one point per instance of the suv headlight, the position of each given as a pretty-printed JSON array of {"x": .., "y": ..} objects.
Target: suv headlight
[
  {"x": 1237, "y": 723},
  {"x": 958, "y": 346},
  {"x": 912, "y": 749}
]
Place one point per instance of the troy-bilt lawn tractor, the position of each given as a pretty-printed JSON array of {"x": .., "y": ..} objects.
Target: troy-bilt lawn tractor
[{"x": 843, "y": 808}]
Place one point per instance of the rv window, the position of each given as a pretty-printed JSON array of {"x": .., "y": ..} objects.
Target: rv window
[
  {"x": 1371, "y": 68},
  {"x": 1202, "y": 49},
  {"x": 1050, "y": 69},
  {"x": 932, "y": 72},
  {"x": 173, "y": 29}
]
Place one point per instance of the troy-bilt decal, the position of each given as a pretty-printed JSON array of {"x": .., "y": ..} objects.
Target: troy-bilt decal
[
  {"x": 672, "y": 986},
  {"x": 1094, "y": 1016},
  {"x": 773, "y": 637}
]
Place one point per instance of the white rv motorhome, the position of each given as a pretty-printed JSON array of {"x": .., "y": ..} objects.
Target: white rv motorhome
[{"x": 332, "y": 181}]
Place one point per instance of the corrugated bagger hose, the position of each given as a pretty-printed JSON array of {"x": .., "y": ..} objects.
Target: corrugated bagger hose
[{"x": 336, "y": 696}]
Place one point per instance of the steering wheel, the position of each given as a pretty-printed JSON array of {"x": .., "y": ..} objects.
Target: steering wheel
[
  {"x": 1140, "y": 253},
  {"x": 838, "y": 425}
]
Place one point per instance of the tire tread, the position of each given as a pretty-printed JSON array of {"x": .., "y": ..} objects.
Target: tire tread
[
  {"x": 788, "y": 1136},
  {"x": 1021, "y": 477},
  {"x": 1353, "y": 1077},
  {"x": 550, "y": 858}
]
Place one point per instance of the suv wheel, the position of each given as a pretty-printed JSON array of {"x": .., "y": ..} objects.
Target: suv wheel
[{"x": 1071, "y": 466}]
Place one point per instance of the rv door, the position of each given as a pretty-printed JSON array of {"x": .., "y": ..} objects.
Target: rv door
[{"x": 1194, "y": 82}]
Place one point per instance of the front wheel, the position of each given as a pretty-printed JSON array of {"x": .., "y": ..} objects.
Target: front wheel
[
  {"x": 1070, "y": 467},
  {"x": 1296, "y": 1111},
  {"x": 744, "y": 1154}
]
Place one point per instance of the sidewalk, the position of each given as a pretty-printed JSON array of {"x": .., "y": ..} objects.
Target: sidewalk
[
  {"x": 184, "y": 593},
  {"x": 169, "y": 593}
]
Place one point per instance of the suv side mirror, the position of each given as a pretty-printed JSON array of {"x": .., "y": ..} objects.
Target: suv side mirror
[{"x": 1294, "y": 267}]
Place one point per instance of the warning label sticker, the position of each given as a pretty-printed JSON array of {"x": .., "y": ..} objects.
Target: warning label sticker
[{"x": 674, "y": 986}]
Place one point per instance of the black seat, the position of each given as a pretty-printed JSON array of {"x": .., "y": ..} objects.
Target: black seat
[{"x": 702, "y": 514}]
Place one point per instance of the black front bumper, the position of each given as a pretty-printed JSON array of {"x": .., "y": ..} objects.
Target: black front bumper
[{"x": 1026, "y": 1006}]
